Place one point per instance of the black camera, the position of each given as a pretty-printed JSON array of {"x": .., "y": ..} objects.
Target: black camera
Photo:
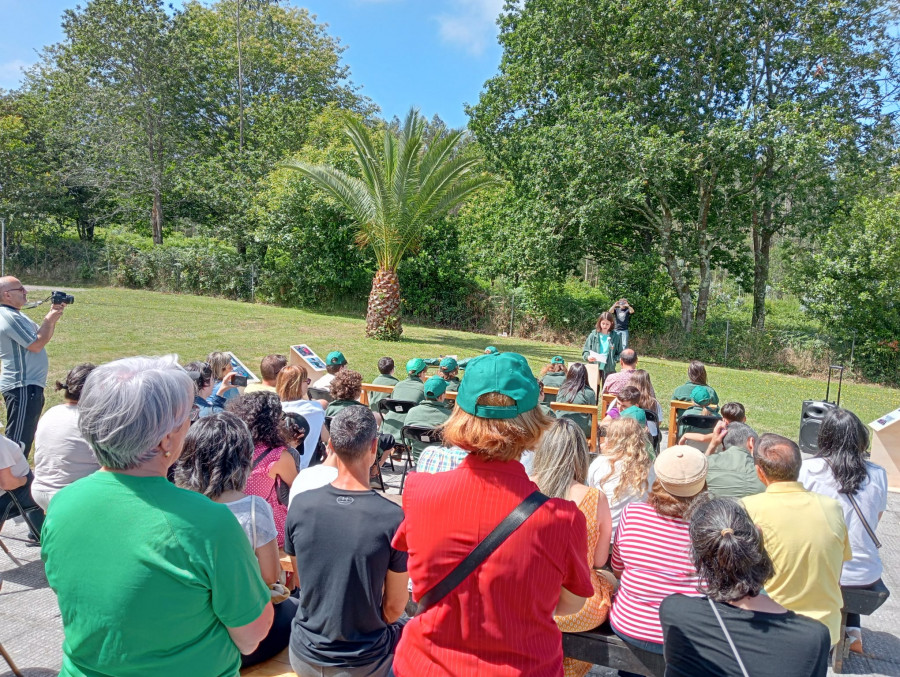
[{"x": 61, "y": 297}]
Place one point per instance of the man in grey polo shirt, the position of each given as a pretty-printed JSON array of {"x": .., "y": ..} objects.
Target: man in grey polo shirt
[{"x": 24, "y": 361}]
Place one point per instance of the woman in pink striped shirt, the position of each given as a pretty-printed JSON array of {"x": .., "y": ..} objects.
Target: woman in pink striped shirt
[{"x": 651, "y": 553}]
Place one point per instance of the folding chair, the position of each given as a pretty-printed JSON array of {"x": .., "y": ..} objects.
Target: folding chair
[
  {"x": 389, "y": 406},
  {"x": 653, "y": 418},
  {"x": 418, "y": 433},
  {"x": 320, "y": 394},
  {"x": 699, "y": 424}
]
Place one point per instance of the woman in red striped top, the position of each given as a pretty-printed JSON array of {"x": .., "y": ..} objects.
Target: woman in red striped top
[{"x": 651, "y": 553}]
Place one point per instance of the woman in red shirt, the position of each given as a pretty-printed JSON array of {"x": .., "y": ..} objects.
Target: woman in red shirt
[{"x": 499, "y": 620}]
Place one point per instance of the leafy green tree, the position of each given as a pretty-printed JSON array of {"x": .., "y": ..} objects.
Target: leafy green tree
[
  {"x": 680, "y": 122},
  {"x": 402, "y": 187}
]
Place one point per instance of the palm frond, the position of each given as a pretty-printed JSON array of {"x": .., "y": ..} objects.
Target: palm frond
[{"x": 352, "y": 193}]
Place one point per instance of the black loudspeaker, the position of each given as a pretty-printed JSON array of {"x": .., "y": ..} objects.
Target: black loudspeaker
[{"x": 810, "y": 422}]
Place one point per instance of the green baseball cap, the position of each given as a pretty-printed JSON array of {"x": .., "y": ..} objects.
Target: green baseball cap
[
  {"x": 491, "y": 350},
  {"x": 416, "y": 365},
  {"x": 435, "y": 387},
  {"x": 505, "y": 373},
  {"x": 557, "y": 360},
  {"x": 701, "y": 396},
  {"x": 448, "y": 364},
  {"x": 636, "y": 413},
  {"x": 335, "y": 357}
]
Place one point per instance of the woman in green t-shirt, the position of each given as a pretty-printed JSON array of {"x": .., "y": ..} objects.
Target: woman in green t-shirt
[
  {"x": 603, "y": 342},
  {"x": 576, "y": 390},
  {"x": 136, "y": 563}
]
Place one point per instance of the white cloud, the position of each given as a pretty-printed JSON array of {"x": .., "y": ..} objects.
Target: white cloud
[
  {"x": 470, "y": 24},
  {"x": 11, "y": 73}
]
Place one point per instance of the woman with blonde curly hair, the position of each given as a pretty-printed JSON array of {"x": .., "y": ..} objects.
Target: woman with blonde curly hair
[
  {"x": 499, "y": 619},
  {"x": 624, "y": 471},
  {"x": 560, "y": 469}
]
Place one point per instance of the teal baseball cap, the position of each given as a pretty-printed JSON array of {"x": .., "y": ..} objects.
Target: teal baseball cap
[
  {"x": 491, "y": 350},
  {"x": 435, "y": 387},
  {"x": 505, "y": 373},
  {"x": 636, "y": 413},
  {"x": 335, "y": 358},
  {"x": 557, "y": 360},
  {"x": 448, "y": 364},
  {"x": 701, "y": 396},
  {"x": 416, "y": 366}
]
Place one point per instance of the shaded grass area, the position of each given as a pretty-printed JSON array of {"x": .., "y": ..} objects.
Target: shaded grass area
[{"x": 107, "y": 323}]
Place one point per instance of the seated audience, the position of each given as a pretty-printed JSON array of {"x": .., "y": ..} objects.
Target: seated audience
[
  {"x": 431, "y": 412},
  {"x": 615, "y": 381},
  {"x": 292, "y": 387},
  {"x": 61, "y": 454},
  {"x": 346, "y": 387},
  {"x": 543, "y": 401},
  {"x": 841, "y": 469},
  {"x": 334, "y": 362},
  {"x": 207, "y": 401},
  {"x": 577, "y": 390},
  {"x": 449, "y": 371},
  {"x": 353, "y": 582},
  {"x": 702, "y": 406},
  {"x": 272, "y": 463},
  {"x": 499, "y": 620},
  {"x": 766, "y": 637},
  {"x": 804, "y": 532},
  {"x": 16, "y": 480},
  {"x": 216, "y": 463},
  {"x": 696, "y": 377},
  {"x": 560, "y": 469},
  {"x": 629, "y": 405},
  {"x": 220, "y": 364},
  {"x": 731, "y": 412},
  {"x": 553, "y": 375},
  {"x": 603, "y": 342},
  {"x": 411, "y": 389},
  {"x": 315, "y": 476},
  {"x": 269, "y": 367},
  {"x": 732, "y": 473},
  {"x": 651, "y": 553},
  {"x": 624, "y": 471},
  {"x": 640, "y": 379},
  {"x": 135, "y": 562},
  {"x": 385, "y": 378}
]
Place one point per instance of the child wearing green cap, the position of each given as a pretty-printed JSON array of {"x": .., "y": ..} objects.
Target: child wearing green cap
[
  {"x": 449, "y": 371},
  {"x": 430, "y": 412},
  {"x": 553, "y": 375},
  {"x": 696, "y": 377},
  {"x": 334, "y": 362},
  {"x": 410, "y": 389},
  {"x": 700, "y": 396}
]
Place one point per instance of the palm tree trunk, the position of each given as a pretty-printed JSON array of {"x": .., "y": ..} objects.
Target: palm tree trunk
[{"x": 383, "y": 316}]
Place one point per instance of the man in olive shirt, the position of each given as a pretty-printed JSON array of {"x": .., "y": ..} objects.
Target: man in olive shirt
[
  {"x": 411, "y": 389},
  {"x": 732, "y": 473},
  {"x": 430, "y": 413}
]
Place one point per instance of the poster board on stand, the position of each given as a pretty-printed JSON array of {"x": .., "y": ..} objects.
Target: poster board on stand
[
  {"x": 886, "y": 446},
  {"x": 301, "y": 354},
  {"x": 241, "y": 369},
  {"x": 593, "y": 374}
]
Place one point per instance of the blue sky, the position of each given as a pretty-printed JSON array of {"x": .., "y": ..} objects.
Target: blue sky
[{"x": 434, "y": 54}]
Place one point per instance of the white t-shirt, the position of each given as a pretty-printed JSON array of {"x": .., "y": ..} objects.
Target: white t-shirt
[
  {"x": 865, "y": 567},
  {"x": 315, "y": 416},
  {"x": 312, "y": 478},
  {"x": 11, "y": 457},
  {"x": 324, "y": 382},
  {"x": 600, "y": 469},
  {"x": 61, "y": 454},
  {"x": 265, "y": 520}
]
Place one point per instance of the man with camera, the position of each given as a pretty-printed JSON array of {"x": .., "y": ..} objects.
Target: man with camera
[
  {"x": 622, "y": 311},
  {"x": 23, "y": 357}
]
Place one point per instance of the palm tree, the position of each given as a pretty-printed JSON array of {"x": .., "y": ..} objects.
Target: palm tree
[{"x": 408, "y": 184}]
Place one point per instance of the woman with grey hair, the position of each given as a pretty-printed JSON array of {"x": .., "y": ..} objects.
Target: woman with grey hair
[
  {"x": 136, "y": 563},
  {"x": 734, "y": 625},
  {"x": 560, "y": 469},
  {"x": 216, "y": 463}
]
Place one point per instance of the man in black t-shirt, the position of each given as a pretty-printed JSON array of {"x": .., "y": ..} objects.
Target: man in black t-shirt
[
  {"x": 353, "y": 584},
  {"x": 622, "y": 311}
]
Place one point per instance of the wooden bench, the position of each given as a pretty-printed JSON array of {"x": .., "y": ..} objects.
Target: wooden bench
[
  {"x": 606, "y": 399},
  {"x": 602, "y": 647},
  {"x": 856, "y": 601},
  {"x": 674, "y": 407}
]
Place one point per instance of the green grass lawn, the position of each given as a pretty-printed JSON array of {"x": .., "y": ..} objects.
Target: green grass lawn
[{"x": 106, "y": 323}]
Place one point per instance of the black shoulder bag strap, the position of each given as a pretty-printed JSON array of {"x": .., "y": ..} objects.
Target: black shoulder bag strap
[
  {"x": 862, "y": 519},
  {"x": 259, "y": 459},
  {"x": 482, "y": 551}
]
